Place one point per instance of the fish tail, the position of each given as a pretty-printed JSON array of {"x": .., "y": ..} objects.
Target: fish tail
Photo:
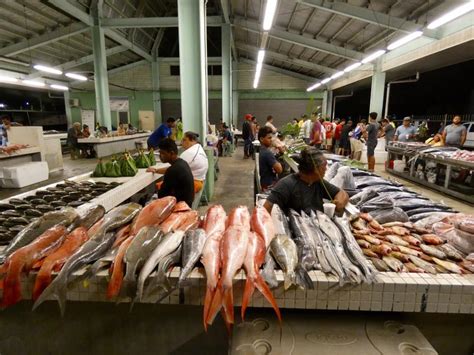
[
  {"x": 289, "y": 279},
  {"x": 227, "y": 324},
  {"x": 248, "y": 292},
  {"x": 269, "y": 275},
  {"x": 58, "y": 290},
  {"x": 214, "y": 304},
  {"x": 302, "y": 278},
  {"x": 43, "y": 279},
  {"x": 228, "y": 303},
  {"x": 267, "y": 293},
  {"x": 207, "y": 304},
  {"x": 12, "y": 284},
  {"x": 115, "y": 283},
  {"x": 140, "y": 285}
]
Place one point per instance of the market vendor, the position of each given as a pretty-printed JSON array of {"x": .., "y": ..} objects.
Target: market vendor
[
  {"x": 162, "y": 132},
  {"x": 305, "y": 190},
  {"x": 178, "y": 179},
  {"x": 4, "y": 127},
  {"x": 405, "y": 132},
  {"x": 455, "y": 134},
  {"x": 72, "y": 136},
  {"x": 267, "y": 162}
]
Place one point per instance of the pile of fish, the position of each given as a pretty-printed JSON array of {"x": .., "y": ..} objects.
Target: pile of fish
[
  {"x": 318, "y": 243},
  {"x": 17, "y": 213},
  {"x": 9, "y": 149},
  {"x": 406, "y": 247}
]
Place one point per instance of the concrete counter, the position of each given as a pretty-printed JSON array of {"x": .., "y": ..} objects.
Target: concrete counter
[{"x": 113, "y": 145}]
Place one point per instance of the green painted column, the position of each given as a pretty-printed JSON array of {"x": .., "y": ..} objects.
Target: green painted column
[
  {"x": 101, "y": 80},
  {"x": 193, "y": 64},
  {"x": 67, "y": 107},
  {"x": 377, "y": 90},
  {"x": 235, "y": 93},
  {"x": 226, "y": 74},
  {"x": 211, "y": 173},
  {"x": 155, "y": 81},
  {"x": 326, "y": 107}
]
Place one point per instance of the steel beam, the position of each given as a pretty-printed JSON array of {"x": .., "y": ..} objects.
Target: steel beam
[
  {"x": 126, "y": 67},
  {"x": 226, "y": 13},
  {"x": 152, "y": 22},
  {"x": 44, "y": 39},
  {"x": 367, "y": 15},
  {"x": 284, "y": 58},
  {"x": 279, "y": 70},
  {"x": 281, "y": 34}
]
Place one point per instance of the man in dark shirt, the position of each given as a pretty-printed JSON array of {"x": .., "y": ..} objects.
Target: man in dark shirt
[
  {"x": 162, "y": 132},
  {"x": 178, "y": 180},
  {"x": 305, "y": 190},
  {"x": 247, "y": 135},
  {"x": 372, "y": 136},
  {"x": 268, "y": 165}
]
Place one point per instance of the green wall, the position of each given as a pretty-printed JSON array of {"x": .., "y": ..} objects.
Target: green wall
[{"x": 138, "y": 101}]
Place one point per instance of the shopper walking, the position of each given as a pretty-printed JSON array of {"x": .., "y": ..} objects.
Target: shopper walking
[
  {"x": 406, "y": 132},
  {"x": 247, "y": 135},
  {"x": 372, "y": 136},
  {"x": 455, "y": 134}
]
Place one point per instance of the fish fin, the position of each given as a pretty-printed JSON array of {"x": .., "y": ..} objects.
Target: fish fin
[
  {"x": 267, "y": 293},
  {"x": 228, "y": 304},
  {"x": 303, "y": 279},
  {"x": 248, "y": 292},
  {"x": 210, "y": 291},
  {"x": 215, "y": 304},
  {"x": 58, "y": 290},
  {"x": 289, "y": 279}
]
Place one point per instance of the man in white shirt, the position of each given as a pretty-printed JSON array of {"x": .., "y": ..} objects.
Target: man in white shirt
[
  {"x": 270, "y": 125},
  {"x": 307, "y": 126}
]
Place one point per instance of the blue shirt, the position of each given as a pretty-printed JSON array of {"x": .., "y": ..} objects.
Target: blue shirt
[
  {"x": 3, "y": 138},
  {"x": 266, "y": 160},
  {"x": 402, "y": 132},
  {"x": 160, "y": 133}
]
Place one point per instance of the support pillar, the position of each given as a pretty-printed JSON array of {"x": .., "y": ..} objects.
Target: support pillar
[
  {"x": 377, "y": 90},
  {"x": 67, "y": 107},
  {"x": 155, "y": 82},
  {"x": 226, "y": 74},
  {"x": 235, "y": 94},
  {"x": 326, "y": 106},
  {"x": 193, "y": 65},
  {"x": 101, "y": 80}
]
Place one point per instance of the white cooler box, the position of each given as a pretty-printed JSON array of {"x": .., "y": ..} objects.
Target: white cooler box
[{"x": 24, "y": 174}]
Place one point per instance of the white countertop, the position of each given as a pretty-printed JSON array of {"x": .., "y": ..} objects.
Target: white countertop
[
  {"x": 94, "y": 140},
  {"x": 55, "y": 135},
  {"x": 21, "y": 152}
]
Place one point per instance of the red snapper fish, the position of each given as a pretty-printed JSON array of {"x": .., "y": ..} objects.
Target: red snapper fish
[
  {"x": 153, "y": 214},
  {"x": 262, "y": 224}
]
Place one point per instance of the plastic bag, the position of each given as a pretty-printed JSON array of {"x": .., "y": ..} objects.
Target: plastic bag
[
  {"x": 142, "y": 161},
  {"x": 127, "y": 165},
  {"x": 99, "y": 170},
  {"x": 151, "y": 157},
  {"x": 112, "y": 168}
]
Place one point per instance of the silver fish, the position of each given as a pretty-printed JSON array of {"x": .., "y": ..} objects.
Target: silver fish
[
  {"x": 380, "y": 265},
  {"x": 168, "y": 245},
  {"x": 89, "y": 214},
  {"x": 97, "y": 245},
  {"x": 285, "y": 253},
  {"x": 394, "y": 264},
  {"x": 397, "y": 240},
  {"x": 280, "y": 221},
  {"x": 268, "y": 271},
  {"x": 430, "y": 250},
  {"x": 193, "y": 245},
  {"x": 64, "y": 217},
  {"x": 302, "y": 236},
  {"x": 137, "y": 253},
  {"x": 451, "y": 252},
  {"x": 423, "y": 264}
]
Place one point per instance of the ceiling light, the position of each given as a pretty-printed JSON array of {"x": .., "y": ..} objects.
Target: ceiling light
[
  {"x": 270, "y": 10},
  {"x": 315, "y": 86},
  {"x": 33, "y": 83},
  {"x": 8, "y": 79},
  {"x": 352, "y": 67},
  {"x": 404, "y": 40},
  {"x": 337, "y": 75},
  {"x": 257, "y": 75},
  {"x": 461, "y": 10},
  {"x": 76, "y": 76},
  {"x": 261, "y": 55},
  {"x": 47, "y": 69},
  {"x": 59, "y": 87},
  {"x": 373, "y": 56},
  {"x": 327, "y": 80}
]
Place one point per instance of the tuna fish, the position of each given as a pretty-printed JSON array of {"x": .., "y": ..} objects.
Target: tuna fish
[{"x": 193, "y": 245}]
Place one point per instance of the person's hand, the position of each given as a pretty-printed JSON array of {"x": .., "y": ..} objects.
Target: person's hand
[{"x": 151, "y": 170}]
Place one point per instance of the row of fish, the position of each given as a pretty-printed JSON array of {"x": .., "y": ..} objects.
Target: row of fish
[
  {"x": 406, "y": 247},
  {"x": 17, "y": 213}
]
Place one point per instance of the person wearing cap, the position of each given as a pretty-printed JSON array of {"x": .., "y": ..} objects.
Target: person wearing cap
[
  {"x": 405, "y": 132},
  {"x": 72, "y": 136},
  {"x": 305, "y": 190},
  {"x": 247, "y": 135}
]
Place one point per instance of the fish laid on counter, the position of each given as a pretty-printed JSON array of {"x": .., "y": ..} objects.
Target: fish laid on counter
[
  {"x": 33, "y": 230},
  {"x": 422, "y": 264},
  {"x": 448, "y": 265},
  {"x": 432, "y": 239},
  {"x": 451, "y": 252},
  {"x": 413, "y": 268},
  {"x": 380, "y": 265},
  {"x": 393, "y": 263},
  {"x": 116, "y": 277},
  {"x": 280, "y": 222},
  {"x": 90, "y": 251},
  {"x": 432, "y": 251},
  {"x": 193, "y": 245},
  {"x": 285, "y": 253},
  {"x": 262, "y": 224},
  {"x": 154, "y": 213},
  {"x": 305, "y": 242}
]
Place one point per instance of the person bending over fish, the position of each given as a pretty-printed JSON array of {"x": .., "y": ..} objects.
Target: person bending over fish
[
  {"x": 178, "y": 180},
  {"x": 305, "y": 190}
]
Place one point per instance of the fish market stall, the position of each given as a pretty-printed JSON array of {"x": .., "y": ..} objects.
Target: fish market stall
[
  {"x": 113, "y": 145},
  {"x": 19, "y": 156},
  {"x": 433, "y": 167}
]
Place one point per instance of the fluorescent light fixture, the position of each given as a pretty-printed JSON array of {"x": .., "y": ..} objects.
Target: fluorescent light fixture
[
  {"x": 8, "y": 79},
  {"x": 59, "y": 87},
  {"x": 76, "y": 76},
  {"x": 404, "y": 40},
  {"x": 33, "y": 83},
  {"x": 270, "y": 10},
  {"x": 337, "y": 75},
  {"x": 352, "y": 67},
  {"x": 459, "y": 11},
  {"x": 373, "y": 56},
  {"x": 261, "y": 55},
  {"x": 315, "y": 86},
  {"x": 327, "y": 80},
  {"x": 257, "y": 75},
  {"x": 47, "y": 69}
]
